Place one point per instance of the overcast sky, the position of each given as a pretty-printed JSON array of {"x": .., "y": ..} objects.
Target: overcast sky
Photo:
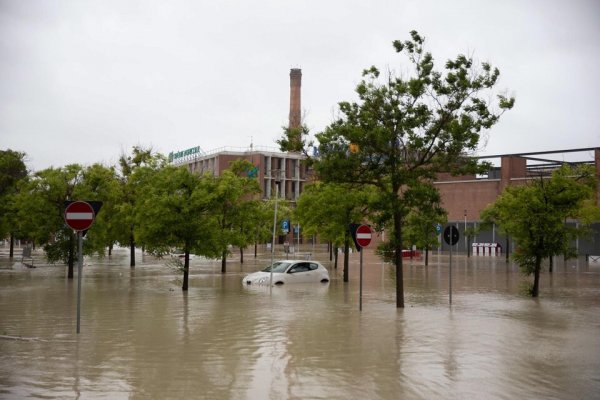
[{"x": 84, "y": 81}]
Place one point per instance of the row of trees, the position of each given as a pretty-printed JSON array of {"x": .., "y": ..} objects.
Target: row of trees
[{"x": 146, "y": 202}]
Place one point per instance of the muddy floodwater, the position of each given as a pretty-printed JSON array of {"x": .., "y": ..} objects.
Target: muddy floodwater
[{"x": 143, "y": 338}]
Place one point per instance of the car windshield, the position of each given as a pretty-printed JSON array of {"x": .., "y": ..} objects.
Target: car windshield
[{"x": 278, "y": 266}]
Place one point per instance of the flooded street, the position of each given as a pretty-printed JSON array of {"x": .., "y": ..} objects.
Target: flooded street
[{"x": 142, "y": 337}]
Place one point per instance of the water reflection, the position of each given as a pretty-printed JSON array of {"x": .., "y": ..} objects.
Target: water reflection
[{"x": 143, "y": 338}]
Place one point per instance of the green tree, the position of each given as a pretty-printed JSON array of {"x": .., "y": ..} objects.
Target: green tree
[
  {"x": 101, "y": 183},
  {"x": 136, "y": 171},
  {"x": 421, "y": 221},
  {"x": 176, "y": 212},
  {"x": 327, "y": 209},
  {"x": 12, "y": 171},
  {"x": 261, "y": 223},
  {"x": 407, "y": 128},
  {"x": 535, "y": 215},
  {"x": 233, "y": 192},
  {"x": 41, "y": 205}
]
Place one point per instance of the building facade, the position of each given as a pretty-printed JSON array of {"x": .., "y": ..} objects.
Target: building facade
[{"x": 277, "y": 172}]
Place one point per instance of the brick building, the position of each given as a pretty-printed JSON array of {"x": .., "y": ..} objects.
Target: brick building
[
  {"x": 464, "y": 197},
  {"x": 271, "y": 167}
]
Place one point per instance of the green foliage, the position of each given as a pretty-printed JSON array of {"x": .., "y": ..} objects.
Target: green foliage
[
  {"x": 136, "y": 174},
  {"x": 12, "y": 171},
  {"x": 40, "y": 212},
  {"x": 421, "y": 221},
  {"x": 234, "y": 206},
  {"x": 535, "y": 214},
  {"x": 174, "y": 212},
  {"x": 405, "y": 129},
  {"x": 42, "y": 198},
  {"x": 101, "y": 183},
  {"x": 327, "y": 209},
  {"x": 295, "y": 140}
]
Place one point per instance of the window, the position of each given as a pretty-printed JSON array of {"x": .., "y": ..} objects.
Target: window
[{"x": 300, "y": 267}]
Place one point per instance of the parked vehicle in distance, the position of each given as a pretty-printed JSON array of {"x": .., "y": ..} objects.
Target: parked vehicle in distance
[
  {"x": 289, "y": 271},
  {"x": 178, "y": 253}
]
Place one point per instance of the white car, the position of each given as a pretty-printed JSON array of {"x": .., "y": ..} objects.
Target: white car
[{"x": 289, "y": 271}]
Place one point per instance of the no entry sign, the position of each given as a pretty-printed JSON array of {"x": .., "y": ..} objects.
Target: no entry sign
[
  {"x": 363, "y": 235},
  {"x": 79, "y": 215}
]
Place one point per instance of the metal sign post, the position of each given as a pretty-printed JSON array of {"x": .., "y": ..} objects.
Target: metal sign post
[
  {"x": 361, "y": 282},
  {"x": 362, "y": 235},
  {"x": 79, "y": 216},
  {"x": 451, "y": 238},
  {"x": 79, "y": 274},
  {"x": 450, "y": 278}
]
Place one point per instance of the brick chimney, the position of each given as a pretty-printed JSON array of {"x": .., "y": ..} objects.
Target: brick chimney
[{"x": 295, "y": 84}]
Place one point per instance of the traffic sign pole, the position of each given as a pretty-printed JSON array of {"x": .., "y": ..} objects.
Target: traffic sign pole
[
  {"x": 361, "y": 283},
  {"x": 451, "y": 237},
  {"x": 79, "y": 216},
  {"x": 362, "y": 237},
  {"x": 79, "y": 273},
  {"x": 450, "y": 277}
]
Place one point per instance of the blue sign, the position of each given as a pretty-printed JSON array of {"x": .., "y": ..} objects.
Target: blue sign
[
  {"x": 438, "y": 228},
  {"x": 285, "y": 225}
]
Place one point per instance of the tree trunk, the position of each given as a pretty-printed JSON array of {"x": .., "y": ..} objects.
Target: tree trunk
[
  {"x": 551, "y": 260},
  {"x": 398, "y": 260},
  {"x": 241, "y": 255},
  {"x": 224, "y": 262},
  {"x": 507, "y": 249},
  {"x": 255, "y": 249},
  {"x": 330, "y": 248},
  {"x": 335, "y": 257},
  {"x": 11, "y": 253},
  {"x": 536, "y": 277},
  {"x": 131, "y": 251},
  {"x": 110, "y": 249},
  {"x": 346, "y": 256},
  {"x": 427, "y": 255},
  {"x": 186, "y": 270},
  {"x": 71, "y": 256},
  {"x": 468, "y": 246}
]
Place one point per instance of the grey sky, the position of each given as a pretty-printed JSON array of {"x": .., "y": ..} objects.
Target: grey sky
[{"x": 83, "y": 81}]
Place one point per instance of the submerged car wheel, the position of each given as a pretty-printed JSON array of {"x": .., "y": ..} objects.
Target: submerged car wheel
[
  {"x": 279, "y": 283},
  {"x": 324, "y": 280}
]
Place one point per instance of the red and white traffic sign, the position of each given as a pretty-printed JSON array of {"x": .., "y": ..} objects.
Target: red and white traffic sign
[
  {"x": 363, "y": 235},
  {"x": 79, "y": 215}
]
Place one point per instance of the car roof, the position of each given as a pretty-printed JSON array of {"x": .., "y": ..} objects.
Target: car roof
[{"x": 297, "y": 261}]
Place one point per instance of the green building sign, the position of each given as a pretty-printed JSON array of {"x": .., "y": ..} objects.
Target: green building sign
[{"x": 173, "y": 156}]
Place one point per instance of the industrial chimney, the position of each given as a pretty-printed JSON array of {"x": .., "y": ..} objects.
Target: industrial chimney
[{"x": 295, "y": 84}]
